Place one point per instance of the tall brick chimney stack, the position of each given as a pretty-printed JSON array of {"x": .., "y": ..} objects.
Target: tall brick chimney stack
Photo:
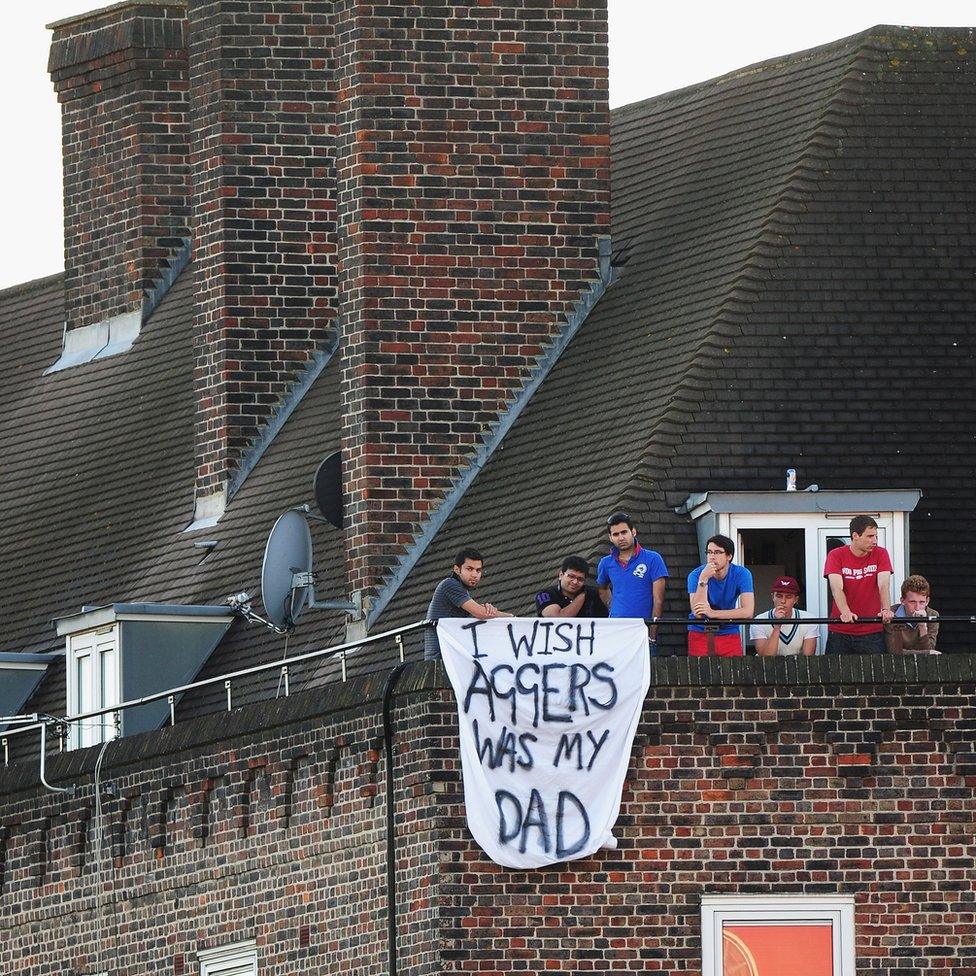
[
  {"x": 263, "y": 118},
  {"x": 473, "y": 173},
  {"x": 121, "y": 76}
]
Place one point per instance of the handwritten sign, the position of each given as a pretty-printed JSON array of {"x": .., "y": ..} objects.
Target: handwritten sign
[{"x": 548, "y": 709}]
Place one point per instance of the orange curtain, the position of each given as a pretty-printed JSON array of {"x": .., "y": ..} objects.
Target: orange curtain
[{"x": 777, "y": 950}]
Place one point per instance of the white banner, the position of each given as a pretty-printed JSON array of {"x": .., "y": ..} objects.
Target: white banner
[{"x": 547, "y": 708}]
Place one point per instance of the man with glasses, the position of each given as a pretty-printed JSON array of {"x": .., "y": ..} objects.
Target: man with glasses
[
  {"x": 722, "y": 592},
  {"x": 631, "y": 579},
  {"x": 570, "y": 596}
]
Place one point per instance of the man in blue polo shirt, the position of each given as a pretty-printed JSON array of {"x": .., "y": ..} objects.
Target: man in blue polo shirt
[
  {"x": 631, "y": 579},
  {"x": 720, "y": 591}
]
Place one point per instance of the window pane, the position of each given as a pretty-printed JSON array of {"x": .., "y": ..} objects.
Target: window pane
[
  {"x": 83, "y": 695},
  {"x": 109, "y": 677},
  {"x": 771, "y": 949}
]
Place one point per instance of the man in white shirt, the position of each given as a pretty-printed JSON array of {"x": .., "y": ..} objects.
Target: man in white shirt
[{"x": 786, "y": 634}]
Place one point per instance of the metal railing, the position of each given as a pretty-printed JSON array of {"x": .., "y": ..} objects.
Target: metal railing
[
  {"x": 744, "y": 621},
  {"x": 42, "y": 722}
]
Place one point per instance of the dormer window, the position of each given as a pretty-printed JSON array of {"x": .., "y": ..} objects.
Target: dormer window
[
  {"x": 94, "y": 680},
  {"x": 126, "y": 651},
  {"x": 20, "y": 674},
  {"x": 789, "y": 533}
]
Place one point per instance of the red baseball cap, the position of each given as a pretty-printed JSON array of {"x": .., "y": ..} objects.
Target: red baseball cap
[{"x": 785, "y": 584}]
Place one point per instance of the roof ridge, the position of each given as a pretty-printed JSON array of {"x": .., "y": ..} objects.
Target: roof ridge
[
  {"x": 688, "y": 390},
  {"x": 35, "y": 284},
  {"x": 863, "y": 37}
]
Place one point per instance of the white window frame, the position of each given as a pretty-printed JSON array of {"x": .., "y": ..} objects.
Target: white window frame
[
  {"x": 816, "y": 528},
  {"x": 239, "y": 959},
  {"x": 717, "y": 910},
  {"x": 99, "y": 647}
]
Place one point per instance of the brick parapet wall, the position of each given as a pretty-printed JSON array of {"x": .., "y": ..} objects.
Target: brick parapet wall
[
  {"x": 263, "y": 120},
  {"x": 269, "y": 819},
  {"x": 473, "y": 182},
  {"x": 121, "y": 78}
]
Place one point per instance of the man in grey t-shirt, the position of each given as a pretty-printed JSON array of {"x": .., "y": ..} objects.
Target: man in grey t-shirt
[{"x": 452, "y": 598}]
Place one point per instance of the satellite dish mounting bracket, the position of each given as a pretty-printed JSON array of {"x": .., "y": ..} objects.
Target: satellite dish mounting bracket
[{"x": 353, "y": 607}]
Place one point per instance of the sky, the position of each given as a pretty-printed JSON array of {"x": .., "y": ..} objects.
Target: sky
[{"x": 655, "y": 47}]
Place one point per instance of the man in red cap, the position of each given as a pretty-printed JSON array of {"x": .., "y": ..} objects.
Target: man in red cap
[{"x": 786, "y": 633}]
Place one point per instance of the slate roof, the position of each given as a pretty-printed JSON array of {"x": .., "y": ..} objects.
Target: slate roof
[
  {"x": 97, "y": 487},
  {"x": 800, "y": 292}
]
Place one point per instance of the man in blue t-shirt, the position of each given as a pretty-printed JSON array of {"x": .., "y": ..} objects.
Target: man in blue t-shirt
[
  {"x": 720, "y": 591},
  {"x": 631, "y": 579}
]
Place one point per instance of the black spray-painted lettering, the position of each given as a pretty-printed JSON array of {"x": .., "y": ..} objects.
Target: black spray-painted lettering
[
  {"x": 505, "y": 747},
  {"x": 570, "y": 742},
  {"x": 515, "y": 822},
  {"x": 602, "y": 672},
  {"x": 473, "y": 627},
  {"x": 562, "y": 848},
  {"x": 548, "y": 691},
  {"x": 548, "y": 637},
  {"x": 547, "y": 688},
  {"x": 479, "y": 685}
]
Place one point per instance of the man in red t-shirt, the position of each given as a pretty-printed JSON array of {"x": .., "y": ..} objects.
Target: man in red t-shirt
[{"x": 860, "y": 584}]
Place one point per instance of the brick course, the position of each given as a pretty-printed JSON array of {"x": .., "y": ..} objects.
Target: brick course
[
  {"x": 121, "y": 77},
  {"x": 270, "y": 821}
]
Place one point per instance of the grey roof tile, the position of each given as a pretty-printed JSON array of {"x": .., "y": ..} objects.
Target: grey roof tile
[{"x": 800, "y": 239}]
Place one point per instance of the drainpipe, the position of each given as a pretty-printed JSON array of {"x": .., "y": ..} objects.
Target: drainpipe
[{"x": 391, "y": 917}]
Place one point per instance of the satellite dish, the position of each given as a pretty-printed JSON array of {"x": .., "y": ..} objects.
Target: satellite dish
[
  {"x": 327, "y": 485},
  {"x": 289, "y": 551}
]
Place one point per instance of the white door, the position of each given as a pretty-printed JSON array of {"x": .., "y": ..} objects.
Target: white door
[{"x": 820, "y": 531}]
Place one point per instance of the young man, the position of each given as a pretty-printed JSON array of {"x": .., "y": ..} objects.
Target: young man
[
  {"x": 452, "y": 598},
  {"x": 785, "y": 634},
  {"x": 631, "y": 579},
  {"x": 906, "y": 634},
  {"x": 570, "y": 596},
  {"x": 720, "y": 591},
  {"x": 860, "y": 584}
]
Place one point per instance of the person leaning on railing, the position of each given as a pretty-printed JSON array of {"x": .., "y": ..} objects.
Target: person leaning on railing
[
  {"x": 452, "y": 598},
  {"x": 909, "y": 632},
  {"x": 786, "y": 633},
  {"x": 859, "y": 577}
]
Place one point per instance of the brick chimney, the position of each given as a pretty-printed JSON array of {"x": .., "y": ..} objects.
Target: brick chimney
[
  {"x": 120, "y": 75},
  {"x": 263, "y": 119},
  {"x": 473, "y": 184}
]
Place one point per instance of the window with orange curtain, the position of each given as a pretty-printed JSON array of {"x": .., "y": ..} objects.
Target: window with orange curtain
[
  {"x": 777, "y": 949},
  {"x": 778, "y": 935}
]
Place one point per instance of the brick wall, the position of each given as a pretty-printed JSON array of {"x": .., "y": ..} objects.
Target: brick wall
[
  {"x": 473, "y": 180},
  {"x": 263, "y": 214},
  {"x": 750, "y": 776},
  {"x": 120, "y": 75}
]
